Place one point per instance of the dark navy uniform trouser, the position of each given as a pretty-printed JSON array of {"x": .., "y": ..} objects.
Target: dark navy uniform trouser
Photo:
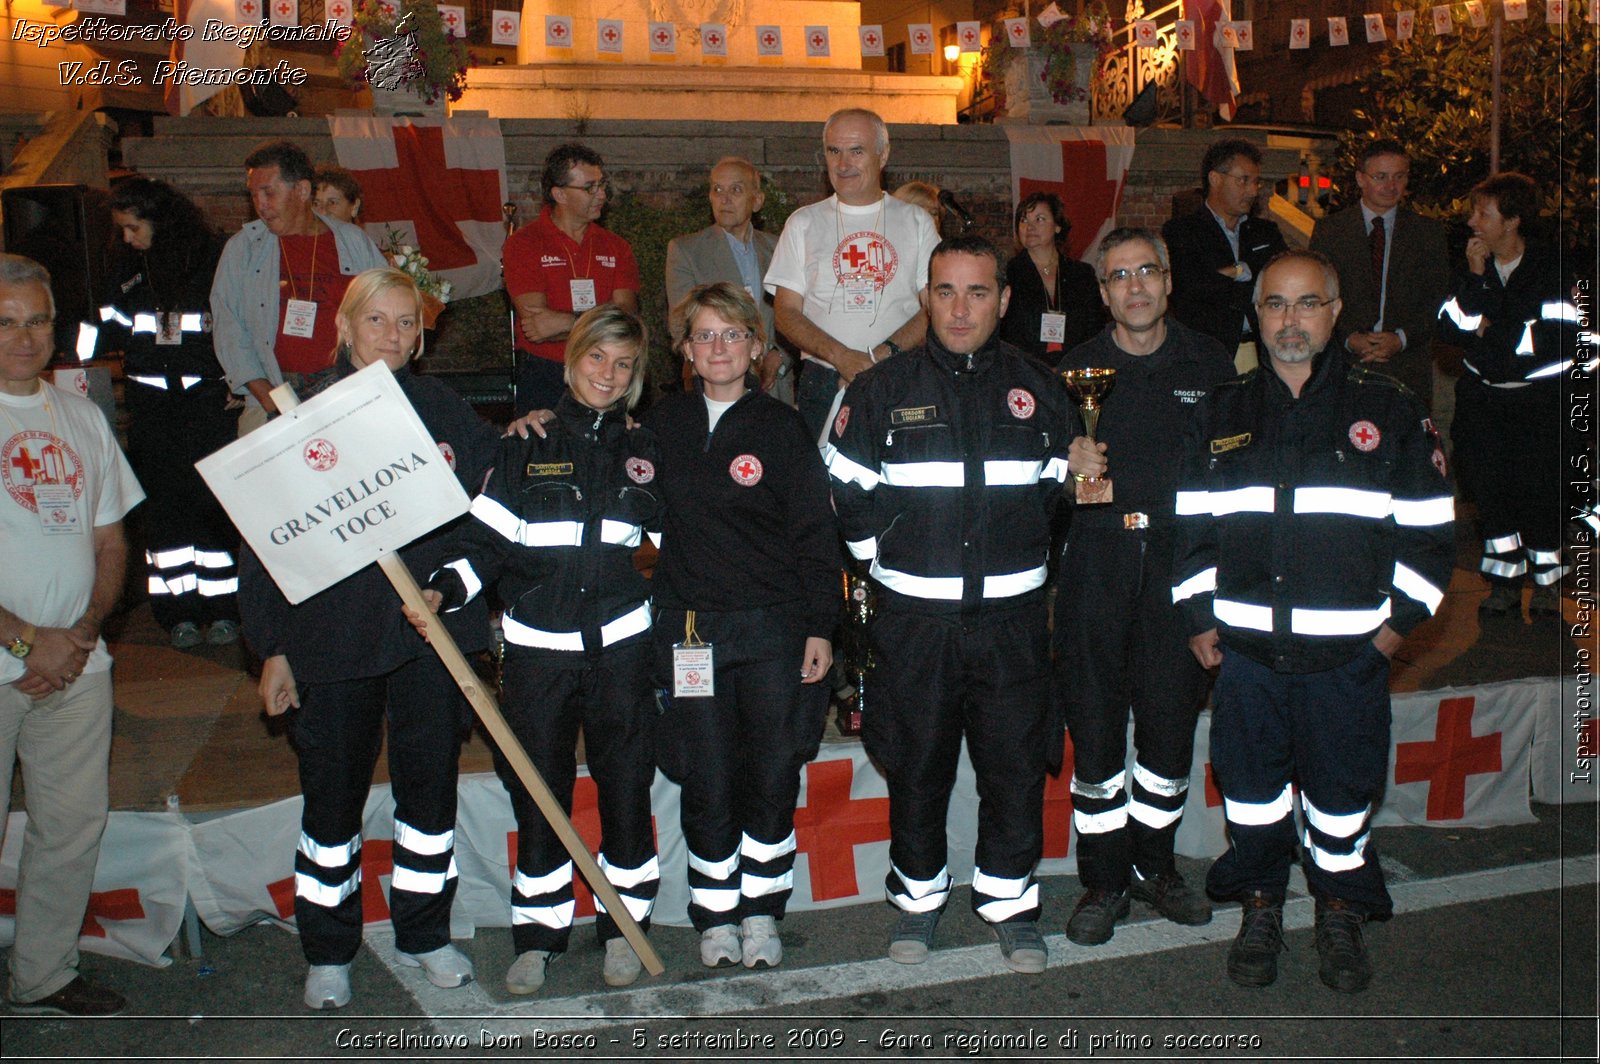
[
  {"x": 1325, "y": 732},
  {"x": 938, "y": 679},
  {"x": 337, "y": 735}
]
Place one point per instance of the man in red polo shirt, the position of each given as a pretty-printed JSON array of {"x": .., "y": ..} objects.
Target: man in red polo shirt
[{"x": 561, "y": 265}]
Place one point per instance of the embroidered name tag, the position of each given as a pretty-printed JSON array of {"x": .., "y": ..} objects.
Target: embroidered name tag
[
  {"x": 1230, "y": 443},
  {"x": 913, "y": 415},
  {"x": 549, "y": 469}
]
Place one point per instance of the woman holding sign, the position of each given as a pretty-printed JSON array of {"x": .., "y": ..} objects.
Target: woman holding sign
[
  {"x": 747, "y": 594},
  {"x": 348, "y": 661},
  {"x": 555, "y": 532}
]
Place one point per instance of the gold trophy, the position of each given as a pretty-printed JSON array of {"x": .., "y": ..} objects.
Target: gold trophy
[{"x": 1089, "y": 388}]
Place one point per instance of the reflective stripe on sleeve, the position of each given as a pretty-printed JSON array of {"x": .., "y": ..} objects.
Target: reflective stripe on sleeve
[
  {"x": 1423, "y": 513},
  {"x": 1417, "y": 586},
  {"x": 1198, "y": 584}
]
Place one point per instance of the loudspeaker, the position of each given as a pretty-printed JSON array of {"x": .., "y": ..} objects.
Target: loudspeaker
[{"x": 66, "y": 229}]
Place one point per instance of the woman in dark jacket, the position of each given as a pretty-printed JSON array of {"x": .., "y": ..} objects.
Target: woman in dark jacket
[
  {"x": 347, "y": 659},
  {"x": 1055, "y": 300},
  {"x": 555, "y": 532},
  {"x": 157, "y": 311},
  {"x": 749, "y": 565}
]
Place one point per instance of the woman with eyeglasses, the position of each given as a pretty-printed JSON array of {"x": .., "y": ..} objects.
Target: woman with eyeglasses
[
  {"x": 1055, "y": 300},
  {"x": 555, "y": 532},
  {"x": 747, "y": 596},
  {"x": 157, "y": 311},
  {"x": 346, "y": 659}
]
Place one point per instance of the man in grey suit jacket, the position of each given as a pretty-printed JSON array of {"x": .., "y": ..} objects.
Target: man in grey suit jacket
[
  {"x": 733, "y": 250},
  {"x": 1393, "y": 271}
]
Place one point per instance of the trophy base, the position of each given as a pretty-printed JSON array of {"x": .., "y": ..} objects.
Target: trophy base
[{"x": 1092, "y": 492}]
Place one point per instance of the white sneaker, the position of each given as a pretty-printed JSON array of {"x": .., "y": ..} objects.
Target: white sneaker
[
  {"x": 762, "y": 947},
  {"x": 445, "y": 967},
  {"x": 526, "y": 974},
  {"x": 719, "y": 946},
  {"x": 328, "y": 986},
  {"x": 622, "y": 963}
]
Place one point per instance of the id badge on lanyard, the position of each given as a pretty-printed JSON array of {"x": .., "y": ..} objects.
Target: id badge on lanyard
[
  {"x": 300, "y": 318},
  {"x": 582, "y": 290},
  {"x": 58, "y": 509},
  {"x": 1052, "y": 328},
  {"x": 692, "y": 664}
]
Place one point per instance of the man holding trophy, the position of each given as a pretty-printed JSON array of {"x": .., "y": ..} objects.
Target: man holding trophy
[
  {"x": 1315, "y": 530},
  {"x": 1119, "y": 640},
  {"x": 946, "y": 464}
]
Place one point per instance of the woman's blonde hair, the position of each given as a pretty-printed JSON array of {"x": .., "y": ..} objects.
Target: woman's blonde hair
[
  {"x": 610, "y": 324},
  {"x": 364, "y": 288},
  {"x": 726, "y": 300}
]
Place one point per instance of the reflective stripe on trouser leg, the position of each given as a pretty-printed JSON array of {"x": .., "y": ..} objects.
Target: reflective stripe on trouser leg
[
  {"x": 998, "y": 899},
  {"x": 637, "y": 887},
  {"x": 713, "y": 890},
  {"x": 1100, "y": 817},
  {"x": 918, "y": 895},
  {"x": 1335, "y": 842},
  {"x": 1546, "y": 566},
  {"x": 766, "y": 875},
  {"x": 541, "y": 909},
  {"x": 1155, "y": 808},
  {"x": 1503, "y": 558}
]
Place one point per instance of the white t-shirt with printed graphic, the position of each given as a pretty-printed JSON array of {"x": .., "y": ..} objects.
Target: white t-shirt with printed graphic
[
  {"x": 60, "y": 440},
  {"x": 829, "y": 252}
]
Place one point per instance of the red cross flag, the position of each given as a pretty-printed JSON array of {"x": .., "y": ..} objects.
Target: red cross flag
[
  {"x": 1476, "y": 14},
  {"x": 713, "y": 39},
  {"x": 920, "y": 35},
  {"x": 1019, "y": 33},
  {"x": 1462, "y": 758},
  {"x": 1516, "y": 10},
  {"x": 1144, "y": 33},
  {"x": 1183, "y": 33},
  {"x": 769, "y": 40},
  {"x": 969, "y": 35},
  {"x": 1555, "y": 12},
  {"x": 284, "y": 12},
  {"x": 1051, "y": 15},
  {"x": 338, "y": 12},
  {"x": 608, "y": 36},
  {"x": 1299, "y": 33},
  {"x": 558, "y": 31},
  {"x": 817, "y": 46},
  {"x": 1375, "y": 28},
  {"x": 389, "y": 8},
  {"x": 454, "y": 18},
  {"x": 1210, "y": 68},
  {"x": 1338, "y": 31},
  {"x": 871, "y": 40},
  {"x": 1244, "y": 36},
  {"x": 1443, "y": 24},
  {"x": 505, "y": 27},
  {"x": 247, "y": 11},
  {"x": 663, "y": 38},
  {"x": 196, "y": 50},
  {"x": 440, "y": 182},
  {"x": 1228, "y": 34},
  {"x": 1085, "y": 166},
  {"x": 1405, "y": 24}
]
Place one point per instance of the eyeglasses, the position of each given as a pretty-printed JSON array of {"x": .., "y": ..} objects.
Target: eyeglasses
[
  {"x": 1305, "y": 305},
  {"x": 592, "y": 188},
  {"x": 1244, "y": 180},
  {"x": 1148, "y": 272},
  {"x": 8, "y": 325},
  {"x": 707, "y": 337}
]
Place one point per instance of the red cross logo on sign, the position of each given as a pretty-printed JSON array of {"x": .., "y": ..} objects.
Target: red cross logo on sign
[
  {"x": 769, "y": 40},
  {"x": 450, "y": 20},
  {"x": 610, "y": 34},
  {"x": 558, "y": 30},
  {"x": 922, "y": 38},
  {"x": 1020, "y": 400},
  {"x": 872, "y": 40},
  {"x": 321, "y": 455},
  {"x": 248, "y": 7},
  {"x": 505, "y": 25},
  {"x": 283, "y": 9},
  {"x": 745, "y": 470},
  {"x": 1185, "y": 35},
  {"x": 715, "y": 39},
  {"x": 338, "y": 9},
  {"x": 1299, "y": 33},
  {"x": 831, "y": 824},
  {"x": 449, "y": 453},
  {"x": 969, "y": 37},
  {"x": 1365, "y": 435},
  {"x": 816, "y": 40},
  {"x": 662, "y": 36},
  {"x": 1147, "y": 33},
  {"x": 640, "y": 471},
  {"x": 390, "y": 194},
  {"x": 1017, "y": 30},
  {"x": 1446, "y": 762},
  {"x": 387, "y": 8}
]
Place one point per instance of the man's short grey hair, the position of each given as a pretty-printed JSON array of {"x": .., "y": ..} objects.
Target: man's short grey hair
[
  {"x": 1330, "y": 272},
  {"x": 879, "y": 128},
  {"x": 1127, "y": 235},
  {"x": 17, "y": 270}
]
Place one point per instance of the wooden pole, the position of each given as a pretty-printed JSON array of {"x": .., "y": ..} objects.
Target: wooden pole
[
  {"x": 483, "y": 703},
  {"x": 1494, "y": 98}
]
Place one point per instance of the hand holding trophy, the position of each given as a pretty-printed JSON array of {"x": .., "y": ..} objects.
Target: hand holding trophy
[{"x": 1089, "y": 388}]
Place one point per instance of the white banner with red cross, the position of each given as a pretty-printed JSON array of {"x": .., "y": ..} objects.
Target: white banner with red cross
[
  {"x": 1085, "y": 166},
  {"x": 1459, "y": 758},
  {"x": 440, "y": 182}
]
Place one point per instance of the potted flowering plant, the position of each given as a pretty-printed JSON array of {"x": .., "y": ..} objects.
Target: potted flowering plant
[
  {"x": 402, "y": 46},
  {"x": 412, "y": 262},
  {"x": 1052, "y": 79}
]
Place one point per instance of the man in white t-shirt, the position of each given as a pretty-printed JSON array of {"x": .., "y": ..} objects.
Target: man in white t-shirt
[
  {"x": 66, "y": 489},
  {"x": 848, "y": 273}
]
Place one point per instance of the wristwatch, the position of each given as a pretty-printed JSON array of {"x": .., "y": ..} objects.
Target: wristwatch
[{"x": 22, "y": 645}]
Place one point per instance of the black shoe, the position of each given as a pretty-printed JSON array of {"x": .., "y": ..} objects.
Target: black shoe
[
  {"x": 912, "y": 937},
  {"x": 1503, "y": 599},
  {"x": 1021, "y": 946},
  {"x": 1344, "y": 958},
  {"x": 78, "y": 998},
  {"x": 1170, "y": 896},
  {"x": 1253, "y": 958},
  {"x": 1095, "y": 919}
]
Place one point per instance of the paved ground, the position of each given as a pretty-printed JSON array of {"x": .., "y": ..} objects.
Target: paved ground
[{"x": 1492, "y": 955}]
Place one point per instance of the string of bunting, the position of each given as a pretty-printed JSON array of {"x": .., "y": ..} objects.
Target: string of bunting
[{"x": 817, "y": 40}]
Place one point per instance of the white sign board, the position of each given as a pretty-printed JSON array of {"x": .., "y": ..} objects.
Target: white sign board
[{"x": 336, "y": 483}]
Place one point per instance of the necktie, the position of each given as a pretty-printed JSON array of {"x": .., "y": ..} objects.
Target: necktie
[{"x": 1376, "y": 242}]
